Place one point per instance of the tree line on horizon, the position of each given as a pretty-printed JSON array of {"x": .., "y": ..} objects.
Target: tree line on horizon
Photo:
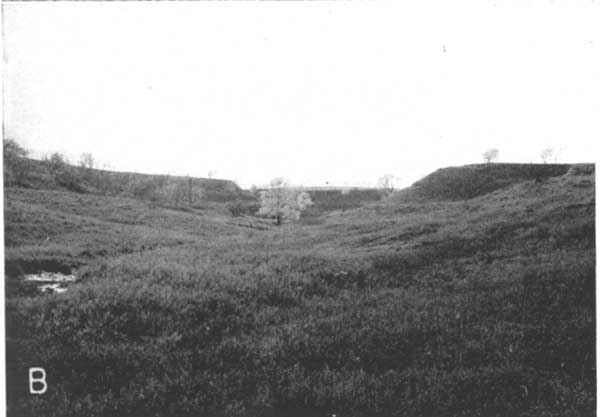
[{"x": 547, "y": 155}]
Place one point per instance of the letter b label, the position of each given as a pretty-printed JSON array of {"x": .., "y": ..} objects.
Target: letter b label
[{"x": 37, "y": 381}]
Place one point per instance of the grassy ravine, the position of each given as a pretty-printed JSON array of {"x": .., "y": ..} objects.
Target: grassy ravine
[{"x": 478, "y": 307}]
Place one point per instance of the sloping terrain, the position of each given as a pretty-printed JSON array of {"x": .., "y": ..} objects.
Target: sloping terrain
[
  {"x": 174, "y": 190},
  {"x": 58, "y": 230},
  {"x": 480, "y": 306},
  {"x": 464, "y": 182}
]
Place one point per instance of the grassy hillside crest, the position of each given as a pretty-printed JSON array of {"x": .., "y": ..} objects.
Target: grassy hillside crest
[
  {"x": 468, "y": 181},
  {"x": 61, "y": 176}
]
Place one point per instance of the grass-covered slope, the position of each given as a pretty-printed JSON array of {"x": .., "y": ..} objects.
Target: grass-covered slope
[
  {"x": 59, "y": 230},
  {"x": 464, "y": 182},
  {"x": 167, "y": 189},
  {"x": 478, "y": 307}
]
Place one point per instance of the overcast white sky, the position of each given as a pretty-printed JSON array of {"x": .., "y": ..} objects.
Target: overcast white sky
[{"x": 338, "y": 92}]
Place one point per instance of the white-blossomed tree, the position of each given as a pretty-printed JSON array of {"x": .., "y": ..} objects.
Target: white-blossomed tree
[{"x": 282, "y": 203}]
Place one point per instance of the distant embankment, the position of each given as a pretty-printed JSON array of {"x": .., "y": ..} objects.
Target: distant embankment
[
  {"x": 469, "y": 181},
  {"x": 173, "y": 190},
  {"x": 331, "y": 199},
  {"x": 325, "y": 199}
]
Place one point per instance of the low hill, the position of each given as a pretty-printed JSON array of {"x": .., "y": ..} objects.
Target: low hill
[
  {"x": 166, "y": 189},
  {"x": 465, "y": 182}
]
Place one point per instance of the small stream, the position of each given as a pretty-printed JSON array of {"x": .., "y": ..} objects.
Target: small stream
[{"x": 51, "y": 282}]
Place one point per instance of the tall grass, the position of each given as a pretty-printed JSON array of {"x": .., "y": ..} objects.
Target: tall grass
[{"x": 457, "y": 309}]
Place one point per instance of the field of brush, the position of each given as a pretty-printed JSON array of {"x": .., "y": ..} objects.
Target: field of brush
[{"x": 405, "y": 306}]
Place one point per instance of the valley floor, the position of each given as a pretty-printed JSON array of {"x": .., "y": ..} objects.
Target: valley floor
[{"x": 477, "y": 307}]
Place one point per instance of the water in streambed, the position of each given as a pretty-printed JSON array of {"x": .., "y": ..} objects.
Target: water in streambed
[{"x": 52, "y": 282}]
